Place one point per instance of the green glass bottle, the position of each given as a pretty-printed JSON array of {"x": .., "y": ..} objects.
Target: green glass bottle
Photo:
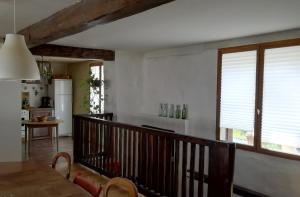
[
  {"x": 171, "y": 111},
  {"x": 184, "y": 111},
  {"x": 178, "y": 111}
]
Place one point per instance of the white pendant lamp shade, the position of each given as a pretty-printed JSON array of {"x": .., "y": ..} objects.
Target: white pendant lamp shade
[{"x": 16, "y": 61}]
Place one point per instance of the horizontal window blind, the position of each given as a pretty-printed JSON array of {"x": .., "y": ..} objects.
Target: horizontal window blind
[
  {"x": 238, "y": 84},
  {"x": 281, "y": 97}
]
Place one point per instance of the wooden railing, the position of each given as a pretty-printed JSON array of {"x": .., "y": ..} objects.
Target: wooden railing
[
  {"x": 105, "y": 116},
  {"x": 160, "y": 163}
]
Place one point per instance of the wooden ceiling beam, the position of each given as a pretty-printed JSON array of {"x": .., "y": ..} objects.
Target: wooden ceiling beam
[
  {"x": 72, "y": 52},
  {"x": 82, "y": 16}
]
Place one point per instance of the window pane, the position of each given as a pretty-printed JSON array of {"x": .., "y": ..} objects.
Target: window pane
[
  {"x": 281, "y": 100},
  {"x": 95, "y": 72},
  {"x": 238, "y": 97},
  {"x": 97, "y": 90},
  {"x": 102, "y": 89}
]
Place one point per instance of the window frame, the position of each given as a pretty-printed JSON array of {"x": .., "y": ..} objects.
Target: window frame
[
  {"x": 260, "y": 48},
  {"x": 100, "y": 64}
]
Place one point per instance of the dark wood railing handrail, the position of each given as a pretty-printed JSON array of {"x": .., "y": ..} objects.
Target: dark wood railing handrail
[
  {"x": 159, "y": 132},
  {"x": 104, "y": 116},
  {"x": 161, "y": 163}
]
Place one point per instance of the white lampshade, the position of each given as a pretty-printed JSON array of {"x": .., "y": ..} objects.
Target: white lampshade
[{"x": 16, "y": 61}]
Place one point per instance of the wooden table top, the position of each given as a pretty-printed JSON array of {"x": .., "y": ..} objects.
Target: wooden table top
[
  {"x": 52, "y": 122},
  {"x": 29, "y": 179}
]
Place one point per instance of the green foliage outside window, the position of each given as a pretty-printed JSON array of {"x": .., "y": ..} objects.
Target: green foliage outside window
[
  {"x": 240, "y": 134},
  {"x": 93, "y": 84}
]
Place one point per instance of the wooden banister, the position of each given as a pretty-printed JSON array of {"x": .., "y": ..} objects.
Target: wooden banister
[
  {"x": 156, "y": 161},
  {"x": 105, "y": 116}
]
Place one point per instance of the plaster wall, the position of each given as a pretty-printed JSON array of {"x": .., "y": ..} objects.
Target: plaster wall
[
  {"x": 188, "y": 75},
  {"x": 59, "y": 68},
  {"x": 128, "y": 85},
  {"x": 10, "y": 123},
  {"x": 79, "y": 72},
  {"x": 10, "y": 135}
]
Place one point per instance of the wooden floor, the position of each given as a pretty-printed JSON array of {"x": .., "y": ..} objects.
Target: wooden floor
[{"x": 42, "y": 151}]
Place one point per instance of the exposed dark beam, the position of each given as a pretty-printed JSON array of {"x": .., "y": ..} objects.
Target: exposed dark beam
[
  {"x": 82, "y": 16},
  {"x": 72, "y": 52}
]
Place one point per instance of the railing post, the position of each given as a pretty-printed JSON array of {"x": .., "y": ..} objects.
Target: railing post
[
  {"x": 221, "y": 169},
  {"x": 75, "y": 139}
]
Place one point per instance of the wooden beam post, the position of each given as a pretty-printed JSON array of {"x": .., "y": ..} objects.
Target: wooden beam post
[
  {"x": 82, "y": 16},
  {"x": 72, "y": 52}
]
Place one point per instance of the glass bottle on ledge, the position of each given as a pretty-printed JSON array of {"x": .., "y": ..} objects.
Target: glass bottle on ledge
[
  {"x": 166, "y": 110},
  {"x": 184, "y": 112},
  {"x": 161, "y": 110},
  {"x": 178, "y": 111},
  {"x": 171, "y": 111}
]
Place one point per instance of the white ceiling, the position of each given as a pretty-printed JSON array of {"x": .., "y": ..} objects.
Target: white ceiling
[
  {"x": 28, "y": 12},
  {"x": 178, "y": 23}
]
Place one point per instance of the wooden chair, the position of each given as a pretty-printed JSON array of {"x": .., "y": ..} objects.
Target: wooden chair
[
  {"x": 68, "y": 159},
  {"x": 123, "y": 183}
]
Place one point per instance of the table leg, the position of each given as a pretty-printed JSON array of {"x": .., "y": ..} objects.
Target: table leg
[
  {"x": 51, "y": 134},
  {"x": 26, "y": 140},
  {"x": 29, "y": 140},
  {"x": 56, "y": 130}
]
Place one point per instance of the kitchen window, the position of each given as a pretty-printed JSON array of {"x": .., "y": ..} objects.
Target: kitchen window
[
  {"x": 96, "y": 89},
  {"x": 258, "y": 98}
]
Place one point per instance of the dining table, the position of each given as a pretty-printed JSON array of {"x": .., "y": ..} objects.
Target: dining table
[
  {"x": 32, "y": 179},
  {"x": 30, "y": 125}
]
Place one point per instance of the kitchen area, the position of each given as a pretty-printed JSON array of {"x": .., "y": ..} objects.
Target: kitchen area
[
  {"x": 48, "y": 99},
  {"x": 48, "y": 104}
]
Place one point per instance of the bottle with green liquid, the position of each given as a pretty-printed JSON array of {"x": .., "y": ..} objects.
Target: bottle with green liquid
[
  {"x": 178, "y": 111},
  {"x": 184, "y": 112}
]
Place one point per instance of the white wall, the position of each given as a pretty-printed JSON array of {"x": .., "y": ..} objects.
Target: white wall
[
  {"x": 10, "y": 123},
  {"x": 36, "y": 92},
  {"x": 109, "y": 91},
  {"x": 10, "y": 135},
  {"x": 189, "y": 75},
  {"x": 183, "y": 79},
  {"x": 128, "y": 84}
]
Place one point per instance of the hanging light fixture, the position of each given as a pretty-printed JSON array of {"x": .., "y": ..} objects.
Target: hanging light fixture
[{"x": 16, "y": 61}]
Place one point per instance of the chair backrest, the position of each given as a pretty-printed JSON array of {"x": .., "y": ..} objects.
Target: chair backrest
[
  {"x": 87, "y": 185},
  {"x": 68, "y": 159},
  {"x": 123, "y": 183}
]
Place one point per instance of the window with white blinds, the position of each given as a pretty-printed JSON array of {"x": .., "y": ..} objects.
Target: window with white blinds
[
  {"x": 281, "y": 100},
  {"x": 238, "y": 95},
  {"x": 259, "y": 97}
]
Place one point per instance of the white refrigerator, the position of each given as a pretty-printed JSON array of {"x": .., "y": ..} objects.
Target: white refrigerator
[{"x": 61, "y": 93}]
